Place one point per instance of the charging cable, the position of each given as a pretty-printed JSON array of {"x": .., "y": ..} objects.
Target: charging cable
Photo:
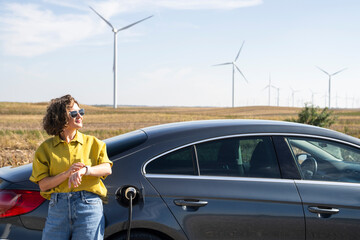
[{"x": 130, "y": 194}]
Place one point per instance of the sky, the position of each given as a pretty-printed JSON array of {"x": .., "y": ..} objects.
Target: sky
[{"x": 49, "y": 48}]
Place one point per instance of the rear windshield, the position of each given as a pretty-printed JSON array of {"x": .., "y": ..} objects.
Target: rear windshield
[{"x": 124, "y": 142}]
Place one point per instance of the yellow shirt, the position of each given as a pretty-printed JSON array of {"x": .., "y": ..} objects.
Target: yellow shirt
[{"x": 55, "y": 156}]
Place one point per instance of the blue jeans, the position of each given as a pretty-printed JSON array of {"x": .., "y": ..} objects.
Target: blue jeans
[{"x": 74, "y": 215}]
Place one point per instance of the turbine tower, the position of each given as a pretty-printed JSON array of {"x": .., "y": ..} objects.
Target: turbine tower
[
  {"x": 330, "y": 75},
  {"x": 278, "y": 94},
  {"x": 293, "y": 95},
  {"x": 234, "y": 66},
  {"x": 269, "y": 86},
  {"x": 312, "y": 96},
  {"x": 115, "y": 47}
]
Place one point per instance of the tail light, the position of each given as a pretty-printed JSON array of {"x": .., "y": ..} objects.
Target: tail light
[{"x": 17, "y": 202}]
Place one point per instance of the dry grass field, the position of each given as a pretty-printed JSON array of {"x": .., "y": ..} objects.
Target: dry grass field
[{"x": 21, "y": 131}]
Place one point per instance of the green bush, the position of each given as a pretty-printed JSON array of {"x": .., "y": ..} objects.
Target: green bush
[{"x": 315, "y": 116}]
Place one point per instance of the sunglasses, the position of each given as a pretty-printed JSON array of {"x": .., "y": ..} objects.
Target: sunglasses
[{"x": 74, "y": 114}]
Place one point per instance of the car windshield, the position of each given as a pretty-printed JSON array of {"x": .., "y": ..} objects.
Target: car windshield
[
  {"x": 323, "y": 150},
  {"x": 325, "y": 160}
]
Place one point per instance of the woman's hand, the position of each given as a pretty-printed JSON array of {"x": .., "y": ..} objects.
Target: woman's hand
[
  {"x": 50, "y": 182},
  {"x": 75, "y": 177},
  {"x": 74, "y": 168},
  {"x": 75, "y": 174}
]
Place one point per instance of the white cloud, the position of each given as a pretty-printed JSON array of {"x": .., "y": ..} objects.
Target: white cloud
[
  {"x": 34, "y": 28},
  {"x": 28, "y": 30},
  {"x": 111, "y": 7},
  {"x": 79, "y": 4},
  {"x": 207, "y": 4}
]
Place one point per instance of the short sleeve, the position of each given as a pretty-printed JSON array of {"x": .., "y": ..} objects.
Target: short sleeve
[
  {"x": 103, "y": 157},
  {"x": 40, "y": 165}
]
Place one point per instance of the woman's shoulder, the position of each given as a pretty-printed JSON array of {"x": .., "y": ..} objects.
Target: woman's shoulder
[
  {"x": 48, "y": 143},
  {"x": 91, "y": 139}
]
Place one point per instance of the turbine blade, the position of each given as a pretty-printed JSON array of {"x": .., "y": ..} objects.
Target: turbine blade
[
  {"x": 237, "y": 56},
  {"x": 221, "y": 64},
  {"x": 102, "y": 18},
  {"x": 323, "y": 71},
  {"x": 338, "y": 71},
  {"x": 241, "y": 73},
  {"x": 128, "y": 26},
  {"x": 265, "y": 87}
]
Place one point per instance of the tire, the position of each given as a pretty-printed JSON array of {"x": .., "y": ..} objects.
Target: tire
[{"x": 137, "y": 235}]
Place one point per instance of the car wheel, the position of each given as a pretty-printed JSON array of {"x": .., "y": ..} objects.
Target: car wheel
[{"x": 137, "y": 235}]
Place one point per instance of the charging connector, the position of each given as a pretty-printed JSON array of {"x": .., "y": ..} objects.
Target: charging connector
[
  {"x": 123, "y": 194},
  {"x": 130, "y": 193}
]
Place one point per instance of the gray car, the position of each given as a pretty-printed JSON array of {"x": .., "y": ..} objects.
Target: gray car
[{"x": 216, "y": 179}]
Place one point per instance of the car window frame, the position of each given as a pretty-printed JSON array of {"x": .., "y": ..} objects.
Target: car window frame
[
  {"x": 270, "y": 135},
  {"x": 289, "y": 169}
]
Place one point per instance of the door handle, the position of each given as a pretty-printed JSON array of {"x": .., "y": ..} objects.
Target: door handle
[
  {"x": 320, "y": 210},
  {"x": 190, "y": 203}
]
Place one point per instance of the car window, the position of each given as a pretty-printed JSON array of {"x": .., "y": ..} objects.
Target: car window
[
  {"x": 326, "y": 160},
  {"x": 240, "y": 157},
  {"x": 181, "y": 162}
]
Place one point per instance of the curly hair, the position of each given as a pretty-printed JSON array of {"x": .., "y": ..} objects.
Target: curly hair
[{"x": 56, "y": 117}]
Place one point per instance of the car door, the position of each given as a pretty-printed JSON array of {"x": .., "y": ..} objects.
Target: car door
[
  {"x": 330, "y": 188},
  {"x": 229, "y": 188}
]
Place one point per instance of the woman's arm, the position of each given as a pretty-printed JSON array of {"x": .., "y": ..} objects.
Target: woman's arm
[
  {"x": 100, "y": 170},
  {"x": 51, "y": 182}
]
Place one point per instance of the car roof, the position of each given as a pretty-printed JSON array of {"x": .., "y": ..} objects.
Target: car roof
[
  {"x": 177, "y": 134},
  {"x": 214, "y": 128}
]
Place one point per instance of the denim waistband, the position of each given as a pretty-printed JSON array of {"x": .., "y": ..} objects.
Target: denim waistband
[{"x": 69, "y": 195}]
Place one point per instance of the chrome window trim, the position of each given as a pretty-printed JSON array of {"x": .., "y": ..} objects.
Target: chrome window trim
[
  {"x": 247, "y": 135},
  {"x": 314, "y": 182},
  {"x": 249, "y": 179},
  {"x": 219, "y": 178},
  {"x": 319, "y": 137}
]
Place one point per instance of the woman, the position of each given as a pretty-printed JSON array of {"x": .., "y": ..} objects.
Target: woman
[{"x": 68, "y": 168}]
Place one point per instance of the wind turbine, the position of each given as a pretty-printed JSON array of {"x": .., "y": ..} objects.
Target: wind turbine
[
  {"x": 325, "y": 96},
  {"x": 293, "y": 95},
  {"x": 278, "y": 94},
  {"x": 269, "y": 86},
  {"x": 353, "y": 102},
  {"x": 234, "y": 66},
  {"x": 330, "y": 75},
  {"x": 336, "y": 100},
  {"x": 115, "y": 47},
  {"x": 312, "y": 96}
]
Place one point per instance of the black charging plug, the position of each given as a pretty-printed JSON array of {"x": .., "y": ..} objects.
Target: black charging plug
[{"x": 124, "y": 193}]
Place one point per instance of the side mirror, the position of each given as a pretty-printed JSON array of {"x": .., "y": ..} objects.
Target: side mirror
[{"x": 302, "y": 157}]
